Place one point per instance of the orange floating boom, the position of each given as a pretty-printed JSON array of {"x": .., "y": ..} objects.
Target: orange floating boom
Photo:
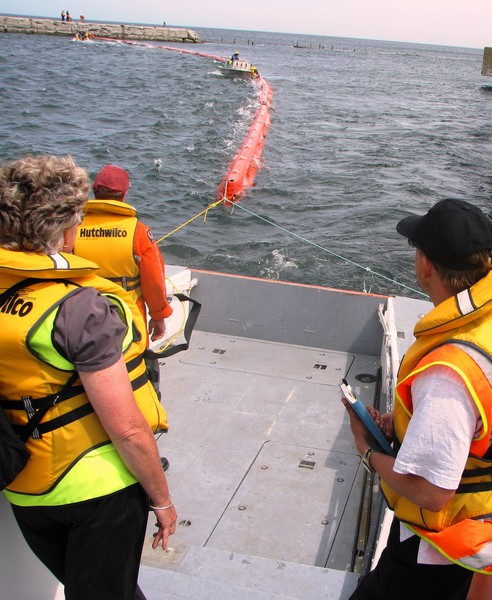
[
  {"x": 171, "y": 48},
  {"x": 245, "y": 164}
]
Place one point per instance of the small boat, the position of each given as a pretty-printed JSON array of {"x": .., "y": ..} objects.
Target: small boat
[
  {"x": 239, "y": 68},
  {"x": 82, "y": 36}
]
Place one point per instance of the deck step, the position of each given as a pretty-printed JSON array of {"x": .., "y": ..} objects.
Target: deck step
[{"x": 209, "y": 574}]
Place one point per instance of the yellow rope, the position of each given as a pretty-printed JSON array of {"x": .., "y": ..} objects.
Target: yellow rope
[
  {"x": 204, "y": 211},
  {"x": 368, "y": 270}
]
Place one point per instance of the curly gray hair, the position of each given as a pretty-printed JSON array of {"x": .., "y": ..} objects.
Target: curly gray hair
[{"x": 40, "y": 198}]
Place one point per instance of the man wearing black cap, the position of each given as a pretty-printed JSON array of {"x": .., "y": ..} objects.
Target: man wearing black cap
[{"x": 440, "y": 483}]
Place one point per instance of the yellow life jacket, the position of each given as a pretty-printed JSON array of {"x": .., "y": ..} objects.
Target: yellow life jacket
[
  {"x": 106, "y": 237},
  {"x": 458, "y": 334},
  {"x": 31, "y": 367}
]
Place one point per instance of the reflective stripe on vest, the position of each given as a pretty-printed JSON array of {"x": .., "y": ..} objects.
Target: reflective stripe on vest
[
  {"x": 456, "y": 531},
  {"x": 40, "y": 342},
  {"x": 456, "y": 541},
  {"x": 478, "y": 385}
]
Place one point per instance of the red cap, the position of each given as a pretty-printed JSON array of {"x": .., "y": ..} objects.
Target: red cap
[{"x": 113, "y": 178}]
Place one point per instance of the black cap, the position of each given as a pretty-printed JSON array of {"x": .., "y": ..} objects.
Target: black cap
[{"x": 449, "y": 233}]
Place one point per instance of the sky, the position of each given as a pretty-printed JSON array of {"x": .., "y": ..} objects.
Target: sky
[{"x": 466, "y": 23}]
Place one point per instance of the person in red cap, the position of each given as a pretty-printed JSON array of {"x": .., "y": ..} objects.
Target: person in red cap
[
  {"x": 440, "y": 483},
  {"x": 125, "y": 250},
  {"x": 123, "y": 247}
]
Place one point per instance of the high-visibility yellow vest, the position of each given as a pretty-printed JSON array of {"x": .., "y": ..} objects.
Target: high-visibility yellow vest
[
  {"x": 32, "y": 368},
  {"x": 106, "y": 237}
]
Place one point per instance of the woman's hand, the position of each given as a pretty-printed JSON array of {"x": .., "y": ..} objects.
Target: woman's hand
[{"x": 166, "y": 526}]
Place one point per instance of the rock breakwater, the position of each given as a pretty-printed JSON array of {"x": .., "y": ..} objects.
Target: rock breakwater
[{"x": 117, "y": 31}]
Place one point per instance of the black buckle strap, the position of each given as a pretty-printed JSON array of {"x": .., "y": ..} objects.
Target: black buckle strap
[
  {"x": 188, "y": 330},
  {"x": 44, "y": 404},
  {"x": 127, "y": 283},
  {"x": 77, "y": 413},
  {"x": 39, "y": 403}
]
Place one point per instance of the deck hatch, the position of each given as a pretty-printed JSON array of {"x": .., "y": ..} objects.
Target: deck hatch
[
  {"x": 291, "y": 513},
  {"x": 256, "y": 357}
]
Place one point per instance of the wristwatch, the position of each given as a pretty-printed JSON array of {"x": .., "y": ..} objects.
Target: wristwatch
[{"x": 366, "y": 459}]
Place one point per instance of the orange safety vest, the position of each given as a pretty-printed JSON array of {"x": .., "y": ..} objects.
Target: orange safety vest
[{"x": 458, "y": 334}]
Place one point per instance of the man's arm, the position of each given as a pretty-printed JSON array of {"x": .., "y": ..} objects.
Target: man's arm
[
  {"x": 433, "y": 454},
  {"x": 413, "y": 487},
  {"x": 152, "y": 280}
]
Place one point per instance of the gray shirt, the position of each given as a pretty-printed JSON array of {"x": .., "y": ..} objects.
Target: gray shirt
[{"x": 88, "y": 331}]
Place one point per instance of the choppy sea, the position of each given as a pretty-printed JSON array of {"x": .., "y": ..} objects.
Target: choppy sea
[{"x": 362, "y": 133}]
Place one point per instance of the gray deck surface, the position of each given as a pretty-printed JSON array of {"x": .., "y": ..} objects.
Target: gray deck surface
[{"x": 263, "y": 472}]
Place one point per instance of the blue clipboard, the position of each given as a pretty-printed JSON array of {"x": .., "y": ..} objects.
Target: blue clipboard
[{"x": 361, "y": 411}]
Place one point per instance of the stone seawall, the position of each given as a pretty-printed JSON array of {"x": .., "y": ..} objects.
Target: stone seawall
[{"x": 113, "y": 31}]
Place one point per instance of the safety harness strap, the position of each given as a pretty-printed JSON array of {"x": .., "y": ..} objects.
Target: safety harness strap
[{"x": 188, "y": 330}]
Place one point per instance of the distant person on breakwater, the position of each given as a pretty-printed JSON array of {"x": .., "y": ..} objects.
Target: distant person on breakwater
[
  {"x": 131, "y": 258},
  {"x": 63, "y": 15},
  {"x": 69, "y": 18}
]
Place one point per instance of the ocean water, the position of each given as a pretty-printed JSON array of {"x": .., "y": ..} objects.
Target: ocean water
[{"x": 363, "y": 132}]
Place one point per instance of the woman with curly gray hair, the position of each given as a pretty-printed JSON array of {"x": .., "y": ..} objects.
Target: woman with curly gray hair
[
  {"x": 82, "y": 500},
  {"x": 40, "y": 198}
]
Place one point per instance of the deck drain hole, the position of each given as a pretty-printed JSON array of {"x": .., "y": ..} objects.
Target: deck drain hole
[
  {"x": 218, "y": 351},
  {"x": 320, "y": 366},
  {"x": 366, "y": 377},
  {"x": 185, "y": 523}
]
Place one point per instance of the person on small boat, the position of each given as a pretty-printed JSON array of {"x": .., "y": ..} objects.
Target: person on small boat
[
  {"x": 234, "y": 57},
  {"x": 439, "y": 484},
  {"x": 82, "y": 500}
]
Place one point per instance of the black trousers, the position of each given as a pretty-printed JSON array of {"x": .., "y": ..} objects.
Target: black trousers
[
  {"x": 92, "y": 547},
  {"x": 398, "y": 576}
]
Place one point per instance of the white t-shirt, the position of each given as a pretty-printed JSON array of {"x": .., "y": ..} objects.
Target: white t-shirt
[{"x": 437, "y": 441}]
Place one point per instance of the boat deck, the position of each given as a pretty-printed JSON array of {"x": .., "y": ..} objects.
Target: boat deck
[{"x": 263, "y": 471}]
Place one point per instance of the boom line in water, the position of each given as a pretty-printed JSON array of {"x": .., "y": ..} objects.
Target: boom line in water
[
  {"x": 246, "y": 162},
  {"x": 328, "y": 251},
  {"x": 367, "y": 270},
  {"x": 242, "y": 170}
]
